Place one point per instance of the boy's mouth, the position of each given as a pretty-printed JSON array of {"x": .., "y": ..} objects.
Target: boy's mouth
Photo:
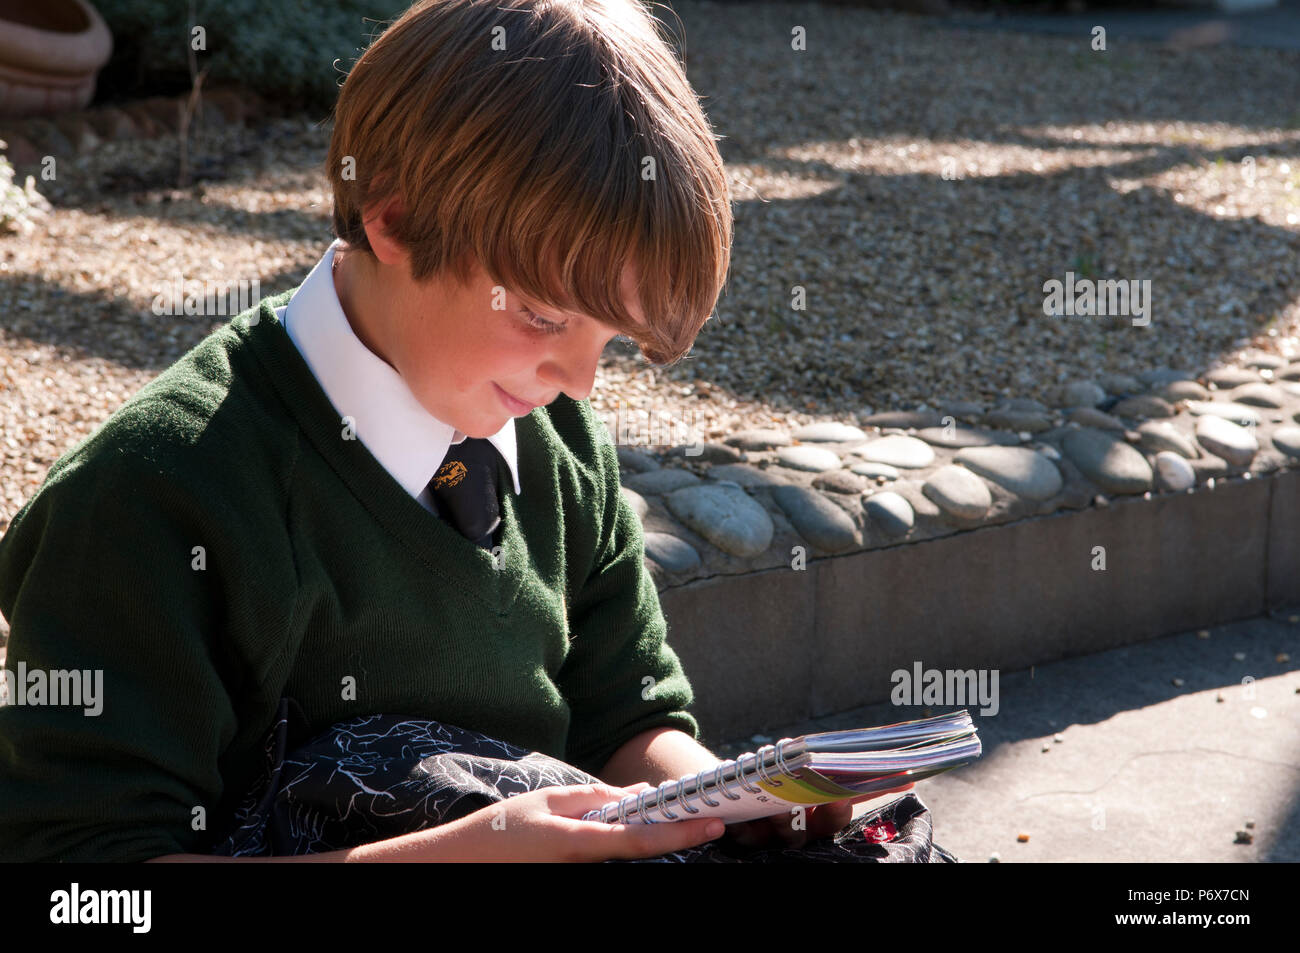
[{"x": 514, "y": 404}]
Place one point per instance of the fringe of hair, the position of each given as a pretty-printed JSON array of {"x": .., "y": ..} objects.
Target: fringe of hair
[{"x": 553, "y": 142}]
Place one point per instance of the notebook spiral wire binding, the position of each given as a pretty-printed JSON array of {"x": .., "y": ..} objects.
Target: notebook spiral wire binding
[{"x": 674, "y": 791}]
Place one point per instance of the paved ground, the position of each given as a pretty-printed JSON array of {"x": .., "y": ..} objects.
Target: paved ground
[
  {"x": 1277, "y": 27},
  {"x": 1145, "y": 770}
]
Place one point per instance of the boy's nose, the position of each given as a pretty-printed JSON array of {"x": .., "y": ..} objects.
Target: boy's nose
[{"x": 571, "y": 366}]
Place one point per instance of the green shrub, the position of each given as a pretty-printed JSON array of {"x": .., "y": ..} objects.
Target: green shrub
[{"x": 284, "y": 49}]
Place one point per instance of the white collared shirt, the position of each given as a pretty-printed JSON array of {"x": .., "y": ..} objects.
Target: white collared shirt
[{"x": 407, "y": 440}]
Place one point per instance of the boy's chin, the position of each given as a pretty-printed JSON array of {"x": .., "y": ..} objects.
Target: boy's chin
[{"x": 482, "y": 429}]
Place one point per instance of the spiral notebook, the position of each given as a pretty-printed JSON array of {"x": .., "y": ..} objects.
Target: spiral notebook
[{"x": 805, "y": 771}]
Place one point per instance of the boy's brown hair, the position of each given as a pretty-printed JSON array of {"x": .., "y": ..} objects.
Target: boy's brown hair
[{"x": 553, "y": 162}]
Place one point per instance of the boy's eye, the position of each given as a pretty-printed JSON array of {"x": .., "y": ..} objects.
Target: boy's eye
[{"x": 549, "y": 327}]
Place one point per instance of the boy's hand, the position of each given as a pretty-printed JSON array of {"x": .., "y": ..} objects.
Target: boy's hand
[{"x": 546, "y": 825}]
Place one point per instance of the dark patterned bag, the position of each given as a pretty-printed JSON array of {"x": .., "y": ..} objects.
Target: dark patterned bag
[{"x": 381, "y": 776}]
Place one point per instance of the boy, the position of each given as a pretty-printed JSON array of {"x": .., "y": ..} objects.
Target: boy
[{"x": 514, "y": 184}]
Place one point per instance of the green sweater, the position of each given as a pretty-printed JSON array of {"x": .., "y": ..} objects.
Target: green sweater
[{"x": 223, "y": 540}]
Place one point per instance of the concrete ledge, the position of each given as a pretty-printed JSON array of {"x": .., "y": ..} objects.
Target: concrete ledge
[
  {"x": 786, "y": 644},
  {"x": 1284, "y": 541},
  {"x": 745, "y": 644}
]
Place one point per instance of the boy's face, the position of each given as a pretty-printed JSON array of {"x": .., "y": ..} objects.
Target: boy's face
[
  {"x": 475, "y": 366},
  {"x": 467, "y": 362}
]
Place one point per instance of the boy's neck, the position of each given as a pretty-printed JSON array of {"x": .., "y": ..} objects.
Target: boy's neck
[{"x": 354, "y": 283}]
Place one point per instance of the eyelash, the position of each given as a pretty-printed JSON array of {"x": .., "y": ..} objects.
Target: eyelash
[{"x": 541, "y": 324}]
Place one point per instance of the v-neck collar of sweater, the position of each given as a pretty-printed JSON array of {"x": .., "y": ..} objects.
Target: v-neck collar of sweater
[{"x": 438, "y": 544}]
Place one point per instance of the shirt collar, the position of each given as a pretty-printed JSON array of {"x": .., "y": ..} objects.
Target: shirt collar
[{"x": 405, "y": 438}]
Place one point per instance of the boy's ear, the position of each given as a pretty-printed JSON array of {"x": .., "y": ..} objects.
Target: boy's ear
[{"x": 378, "y": 222}]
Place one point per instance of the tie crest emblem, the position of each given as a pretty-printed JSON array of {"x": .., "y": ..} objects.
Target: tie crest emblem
[{"x": 449, "y": 474}]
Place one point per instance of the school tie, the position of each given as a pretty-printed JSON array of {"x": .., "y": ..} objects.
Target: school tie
[{"x": 464, "y": 489}]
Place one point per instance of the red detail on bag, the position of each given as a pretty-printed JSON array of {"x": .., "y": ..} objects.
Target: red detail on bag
[{"x": 880, "y": 833}]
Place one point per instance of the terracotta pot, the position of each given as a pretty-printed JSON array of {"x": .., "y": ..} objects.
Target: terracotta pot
[{"x": 50, "y": 54}]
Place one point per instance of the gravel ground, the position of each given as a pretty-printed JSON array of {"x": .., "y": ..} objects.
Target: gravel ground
[{"x": 920, "y": 183}]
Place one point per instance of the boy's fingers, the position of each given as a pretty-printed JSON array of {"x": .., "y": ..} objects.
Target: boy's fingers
[
  {"x": 651, "y": 840},
  {"x": 577, "y": 799},
  {"x": 829, "y": 819},
  {"x": 625, "y": 841}
]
